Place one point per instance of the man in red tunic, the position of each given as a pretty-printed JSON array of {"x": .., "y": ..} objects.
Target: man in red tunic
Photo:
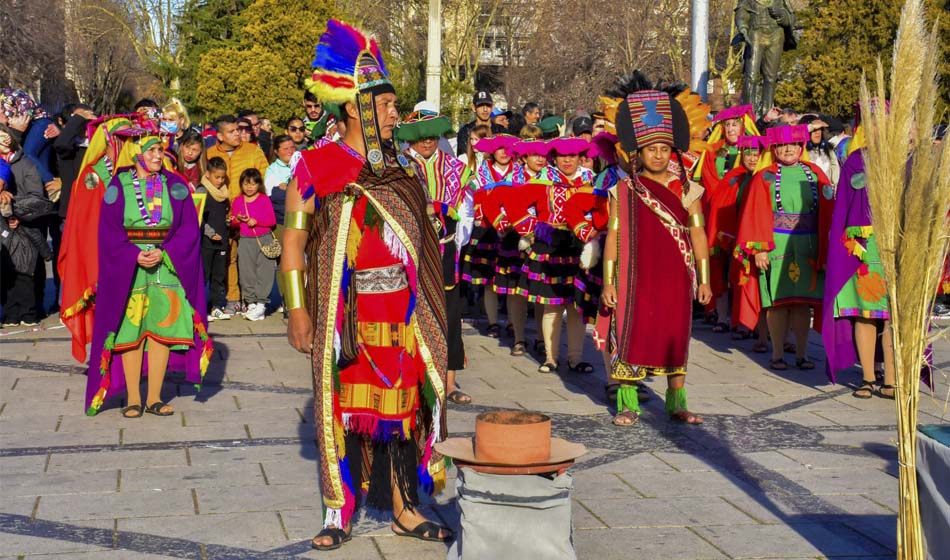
[{"x": 656, "y": 247}]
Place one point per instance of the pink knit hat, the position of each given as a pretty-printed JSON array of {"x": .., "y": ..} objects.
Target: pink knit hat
[
  {"x": 604, "y": 146},
  {"x": 751, "y": 142},
  {"x": 490, "y": 144},
  {"x": 796, "y": 134},
  {"x": 530, "y": 148},
  {"x": 568, "y": 146},
  {"x": 736, "y": 112}
]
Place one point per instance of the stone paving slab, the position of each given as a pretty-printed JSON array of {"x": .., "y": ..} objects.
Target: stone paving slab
[{"x": 786, "y": 466}]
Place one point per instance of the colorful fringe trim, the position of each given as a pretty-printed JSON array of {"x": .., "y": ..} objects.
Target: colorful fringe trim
[
  {"x": 207, "y": 347},
  {"x": 105, "y": 362},
  {"x": 676, "y": 400},
  {"x": 378, "y": 428},
  {"x": 627, "y": 399},
  {"x": 84, "y": 301}
]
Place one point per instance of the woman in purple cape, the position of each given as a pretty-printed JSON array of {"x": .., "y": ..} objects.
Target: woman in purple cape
[
  {"x": 856, "y": 304},
  {"x": 150, "y": 302}
]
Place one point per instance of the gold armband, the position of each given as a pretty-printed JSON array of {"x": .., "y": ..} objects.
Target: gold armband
[
  {"x": 614, "y": 223},
  {"x": 697, "y": 220},
  {"x": 610, "y": 273},
  {"x": 298, "y": 220},
  {"x": 704, "y": 276},
  {"x": 291, "y": 288}
]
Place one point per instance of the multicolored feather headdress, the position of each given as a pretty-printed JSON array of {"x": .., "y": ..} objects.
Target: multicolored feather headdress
[{"x": 348, "y": 67}]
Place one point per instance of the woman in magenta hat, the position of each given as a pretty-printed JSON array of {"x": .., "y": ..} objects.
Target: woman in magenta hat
[
  {"x": 781, "y": 244},
  {"x": 502, "y": 202},
  {"x": 478, "y": 261},
  {"x": 554, "y": 256},
  {"x": 721, "y": 226}
]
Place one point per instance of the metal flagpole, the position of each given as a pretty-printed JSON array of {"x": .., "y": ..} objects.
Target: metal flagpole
[
  {"x": 700, "y": 51},
  {"x": 434, "y": 54}
]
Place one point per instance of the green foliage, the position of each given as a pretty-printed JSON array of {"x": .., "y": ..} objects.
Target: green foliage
[
  {"x": 264, "y": 68},
  {"x": 204, "y": 25},
  {"x": 841, "y": 39},
  {"x": 232, "y": 78}
]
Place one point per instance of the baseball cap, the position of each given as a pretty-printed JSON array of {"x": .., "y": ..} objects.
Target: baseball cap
[
  {"x": 482, "y": 98},
  {"x": 581, "y": 125}
]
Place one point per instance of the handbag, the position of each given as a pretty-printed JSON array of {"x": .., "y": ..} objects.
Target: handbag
[{"x": 272, "y": 248}]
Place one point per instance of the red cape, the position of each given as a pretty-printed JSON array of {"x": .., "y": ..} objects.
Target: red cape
[{"x": 755, "y": 235}]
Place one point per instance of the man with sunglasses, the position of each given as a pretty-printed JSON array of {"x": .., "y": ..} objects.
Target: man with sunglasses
[
  {"x": 298, "y": 132},
  {"x": 318, "y": 119}
]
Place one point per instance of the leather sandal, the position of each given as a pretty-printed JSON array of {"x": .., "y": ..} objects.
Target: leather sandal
[
  {"x": 686, "y": 417},
  {"x": 886, "y": 387},
  {"x": 865, "y": 391},
  {"x": 136, "y": 409},
  {"x": 778, "y": 364},
  {"x": 803, "y": 363},
  {"x": 580, "y": 367},
  {"x": 519, "y": 348},
  {"x": 156, "y": 409},
  {"x": 425, "y": 531},
  {"x": 626, "y": 418},
  {"x": 547, "y": 367},
  {"x": 338, "y": 536},
  {"x": 458, "y": 397},
  {"x": 494, "y": 330},
  {"x": 720, "y": 328}
]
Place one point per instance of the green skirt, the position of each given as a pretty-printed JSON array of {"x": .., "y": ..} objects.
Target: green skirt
[
  {"x": 865, "y": 294},
  {"x": 157, "y": 309}
]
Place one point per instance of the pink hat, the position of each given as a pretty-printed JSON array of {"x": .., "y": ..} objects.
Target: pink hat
[
  {"x": 603, "y": 146},
  {"x": 569, "y": 146},
  {"x": 530, "y": 148},
  {"x": 797, "y": 134},
  {"x": 753, "y": 142},
  {"x": 488, "y": 145},
  {"x": 736, "y": 112}
]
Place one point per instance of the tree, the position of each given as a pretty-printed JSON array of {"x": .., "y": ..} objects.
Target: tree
[
  {"x": 234, "y": 78},
  {"x": 202, "y": 26},
  {"x": 841, "y": 40},
  {"x": 99, "y": 59},
  {"x": 33, "y": 48},
  {"x": 266, "y": 69}
]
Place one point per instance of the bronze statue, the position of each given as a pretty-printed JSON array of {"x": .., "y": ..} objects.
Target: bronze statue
[{"x": 765, "y": 27}]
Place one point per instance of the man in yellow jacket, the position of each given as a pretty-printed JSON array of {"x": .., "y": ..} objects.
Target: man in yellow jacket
[{"x": 239, "y": 156}]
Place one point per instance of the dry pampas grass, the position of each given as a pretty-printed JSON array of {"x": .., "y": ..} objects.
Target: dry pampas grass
[{"x": 909, "y": 191}]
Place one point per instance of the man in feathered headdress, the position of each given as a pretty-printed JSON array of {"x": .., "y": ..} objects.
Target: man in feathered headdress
[{"x": 376, "y": 325}]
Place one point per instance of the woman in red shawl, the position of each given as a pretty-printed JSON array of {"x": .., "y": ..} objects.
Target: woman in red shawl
[
  {"x": 725, "y": 208},
  {"x": 655, "y": 234},
  {"x": 784, "y": 230}
]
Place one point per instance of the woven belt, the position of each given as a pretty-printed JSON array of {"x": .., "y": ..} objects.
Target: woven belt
[
  {"x": 382, "y": 280},
  {"x": 147, "y": 235},
  {"x": 795, "y": 223}
]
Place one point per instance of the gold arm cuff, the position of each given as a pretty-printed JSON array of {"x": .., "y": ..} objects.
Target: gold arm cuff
[
  {"x": 704, "y": 275},
  {"x": 291, "y": 284},
  {"x": 610, "y": 273},
  {"x": 298, "y": 220},
  {"x": 697, "y": 220},
  {"x": 614, "y": 223}
]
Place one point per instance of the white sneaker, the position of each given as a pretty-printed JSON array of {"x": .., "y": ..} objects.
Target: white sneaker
[
  {"x": 255, "y": 312},
  {"x": 218, "y": 314}
]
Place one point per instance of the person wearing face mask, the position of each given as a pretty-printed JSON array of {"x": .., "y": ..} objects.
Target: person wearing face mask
[
  {"x": 175, "y": 119},
  {"x": 782, "y": 242},
  {"x": 372, "y": 317},
  {"x": 455, "y": 212},
  {"x": 151, "y": 294}
]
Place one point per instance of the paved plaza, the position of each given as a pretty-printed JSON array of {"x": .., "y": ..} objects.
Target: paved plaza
[{"x": 786, "y": 465}]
